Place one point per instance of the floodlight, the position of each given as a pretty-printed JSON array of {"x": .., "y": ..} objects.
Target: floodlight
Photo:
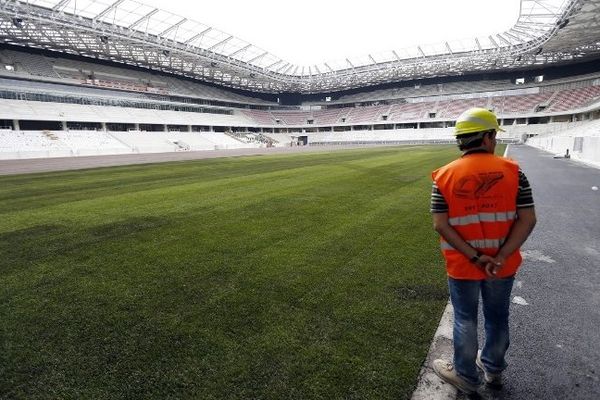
[
  {"x": 563, "y": 23},
  {"x": 17, "y": 22}
]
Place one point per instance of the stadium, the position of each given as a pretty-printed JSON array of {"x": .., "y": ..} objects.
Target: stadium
[{"x": 191, "y": 268}]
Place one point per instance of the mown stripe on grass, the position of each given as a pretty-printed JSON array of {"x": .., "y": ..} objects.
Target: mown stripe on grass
[{"x": 300, "y": 277}]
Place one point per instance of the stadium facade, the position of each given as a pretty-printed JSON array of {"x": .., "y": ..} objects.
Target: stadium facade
[{"x": 121, "y": 68}]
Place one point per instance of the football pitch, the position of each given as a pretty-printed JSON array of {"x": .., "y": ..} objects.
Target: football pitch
[{"x": 303, "y": 276}]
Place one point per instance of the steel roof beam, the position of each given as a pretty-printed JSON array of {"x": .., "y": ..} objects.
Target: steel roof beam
[
  {"x": 172, "y": 27},
  {"x": 448, "y": 48},
  {"x": 545, "y": 15},
  {"x": 289, "y": 68},
  {"x": 258, "y": 57},
  {"x": 274, "y": 64},
  {"x": 144, "y": 18},
  {"x": 510, "y": 35},
  {"x": 493, "y": 42},
  {"x": 535, "y": 24},
  {"x": 108, "y": 9},
  {"x": 503, "y": 39},
  {"x": 282, "y": 67},
  {"x": 238, "y": 51},
  {"x": 61, "y": 5},
  {"x": 529, "y": 35},
  {"x": 214, "y": 46},
  {"x": 478, "y": 44},
  {"x": 196, "y": 36}
]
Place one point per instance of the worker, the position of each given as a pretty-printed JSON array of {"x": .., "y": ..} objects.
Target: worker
[{"x": 482, "y": 207}]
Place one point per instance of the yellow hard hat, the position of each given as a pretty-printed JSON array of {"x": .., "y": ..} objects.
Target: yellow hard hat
[{"x": 476, "y": 120}]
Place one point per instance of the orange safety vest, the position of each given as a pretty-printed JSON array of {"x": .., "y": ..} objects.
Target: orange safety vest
[{"x": 481, "y": 192}]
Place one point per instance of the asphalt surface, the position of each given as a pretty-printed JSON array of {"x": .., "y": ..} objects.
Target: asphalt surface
[{"x": 555, "y": 338}]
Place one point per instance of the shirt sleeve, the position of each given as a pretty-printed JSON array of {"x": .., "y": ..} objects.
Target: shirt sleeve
[
  {"x": 438, "y": 202},
  {"x": 524, "y": 195}
]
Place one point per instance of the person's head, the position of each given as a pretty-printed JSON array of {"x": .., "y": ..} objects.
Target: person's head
[{"x": 476, "y": 128}]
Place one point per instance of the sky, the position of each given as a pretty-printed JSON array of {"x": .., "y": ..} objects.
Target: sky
[{"x": 311, "y": 32}]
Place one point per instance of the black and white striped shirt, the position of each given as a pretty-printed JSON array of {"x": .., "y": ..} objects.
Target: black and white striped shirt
[{"x": 524, "y": 196}]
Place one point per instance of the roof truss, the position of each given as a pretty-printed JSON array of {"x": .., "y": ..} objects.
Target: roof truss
[{"x": 546, "y": 31}]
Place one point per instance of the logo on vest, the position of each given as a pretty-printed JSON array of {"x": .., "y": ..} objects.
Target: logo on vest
[{"x": 476, "y": 186}]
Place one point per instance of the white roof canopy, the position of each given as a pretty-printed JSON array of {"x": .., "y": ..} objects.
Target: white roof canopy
[{"x": 126, "y": 31}]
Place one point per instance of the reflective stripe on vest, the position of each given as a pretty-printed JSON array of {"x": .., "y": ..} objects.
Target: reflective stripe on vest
[
  {"x": 481, "y": 192},
  {"x": 478, "y": 244},
  {"x": 482, "y": 217}
]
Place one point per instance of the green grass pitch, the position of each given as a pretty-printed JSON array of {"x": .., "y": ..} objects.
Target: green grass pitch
[{"x": 303, "y": 276}]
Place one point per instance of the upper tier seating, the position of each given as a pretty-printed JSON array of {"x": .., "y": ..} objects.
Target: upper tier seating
[
  {"x": 453, "y": 108},
  {"x": 291, "y": 117},
  {"x": 383, "y": 136},
  {"x": 32, "y": 64},
  {"x": 504, "y": 105},
  {"x": 407, "y": 111},
  {"x": 113, "y": 77},
  {"x": 260, "y": 117},
  {"x": 574, "y": 98},
  {"x": 519, "y": 104},
  {"x": 329, "y": 116},
  {"x": 366, "y": 114},
  {"x": 38, "y": 110}
]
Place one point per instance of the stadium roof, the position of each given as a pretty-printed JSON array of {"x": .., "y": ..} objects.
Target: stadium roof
[{"x": 129, "y": 32}]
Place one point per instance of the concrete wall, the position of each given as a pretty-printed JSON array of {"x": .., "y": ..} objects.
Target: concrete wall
[
  {"x": 558, "y": 144},
  {"x": 591, "y": 149}
]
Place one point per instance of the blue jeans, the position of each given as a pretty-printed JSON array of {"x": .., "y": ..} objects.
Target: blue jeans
[{"x": 495, "y": 295}]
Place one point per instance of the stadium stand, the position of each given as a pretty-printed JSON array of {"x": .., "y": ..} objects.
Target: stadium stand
[
  {"x": 24, "y": 144},
  {"x": 384, "y": 137},
  {"x": 54, "y": 104},
  {"x": 519, "y": 104},
  {"x": 117, "y": 78},
  {"x": 571, "y": 99},
  {"x": 85, "y": 143},
  {"x": 35, "y": 144},
  {"x": 330, "y": 116},
  {"x": 367, "y": 114},
  {"x": 291, "y": 117},
  {"x": 29, "y": 63},
  {"x": 453, "y": 108},
  {"x": 259, "y": 117},
  {"x": 407, "y": 111}
]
